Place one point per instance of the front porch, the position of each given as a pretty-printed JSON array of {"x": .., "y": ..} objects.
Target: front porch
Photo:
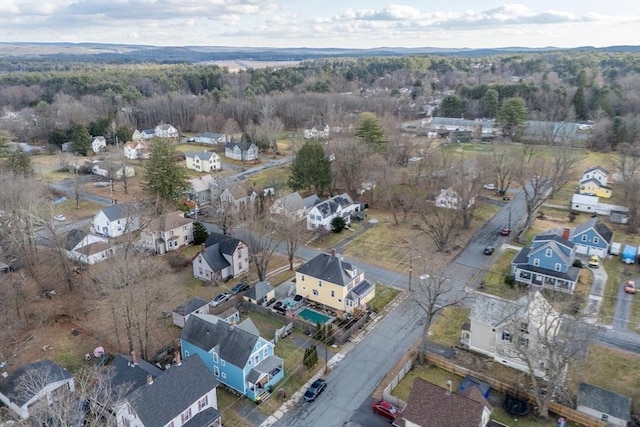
[
  {"x": 264, "y": 377},
  {"x": 543, "y": 280}
]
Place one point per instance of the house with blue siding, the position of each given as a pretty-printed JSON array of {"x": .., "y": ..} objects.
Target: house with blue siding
[
  {"x": 547, "y": 263},
  {"x": 236, "y": 354},
  {"x": 592, "y": 238}
]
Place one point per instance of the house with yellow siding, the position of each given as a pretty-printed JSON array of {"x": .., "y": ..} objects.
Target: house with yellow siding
[
  {"x": 593, "y": 187},
  {"x": 329, "y": 280}
]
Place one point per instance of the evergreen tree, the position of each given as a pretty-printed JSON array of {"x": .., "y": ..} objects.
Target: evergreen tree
[
  {"x": 370, "y": 131},
  {"x": 338, "y": 224},
  {"x": 5, "y": 139},
  {"x": 164, "y": 179},
  {"x": 58, "y": 137},
  {"x": 512, "y": 117},
  {"x": 452, "y": 106},
  {"x": 310, "y": 357},
  {"x": 80, "y": 139},
  {"x": 19, "y": 163},
  {"x": 123, "y": 134},
  {"x": 490, "y": 101},
  {"x": 200, "y": 233},
  {"x": 580, "y": 105},
  {"x": 310, "y": 168}
]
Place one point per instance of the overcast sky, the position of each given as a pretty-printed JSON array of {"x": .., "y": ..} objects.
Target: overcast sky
[{"x": 324, "y": 23}]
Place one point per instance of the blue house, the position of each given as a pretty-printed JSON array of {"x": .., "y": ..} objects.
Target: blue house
[
  {"x": 547, "y": 263},
  {"x": 236, "y": 354},
  {"x": 592, "y": 238}
]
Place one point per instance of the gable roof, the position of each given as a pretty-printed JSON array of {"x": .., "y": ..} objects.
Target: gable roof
[
  {"x": 311, "y": 201},
  {"x": 330, "y": 206},
  {"x": 292, "y": 202},
  {"x": 202, "y": 155},
  {"x": 228, "y": 244},
  {"x": 431, "y": 405},
  {"x": 202, "y": 183},
  {"x": 243, "y": 146},
  {"x": 234, "y": 343},
  {"x": 191, "y": 378},
  {"x": 598, "y": 226},
  {"x": 493, "y": 310},
  {"x": 118, "y": 211},
  {"x": 594, "y": 181},
  {"x": 190, "y": 306},
  {"x": 603, "y": 400},
  {"x": 10, "y": 386},
  {"x": 555, "y": 246},
  {"x": 212, "y": 255},
  {"x": 600, "y": 169},
  {"x": 209, "y": 135},
  {"x": 584, "y": 199},
  {"x": 328, "y": 267},
  {"x": 260, "y": 290},
  {"x": 168, "y": 222},
  {"x": 74, "y": 237},
  {"x": 131, "y": 376}
]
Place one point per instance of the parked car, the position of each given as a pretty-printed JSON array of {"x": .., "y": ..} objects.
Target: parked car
[
  {"x": 489, "y": 186},
  {"x": 60, "y": 218},
  {"x": 240, "y": 287},
  {"x": 488, "y": 250},
  {"x": 594, "y": 261},
  {"x": 220, "y": 299},
  {"x": 314, "y": 390},
  {"x": 505, "y": 231},
  {"x": 630, "y": 287},
  {"x": 506, "y": 198},
  {"x": 358, "y": 216},
  {"x": 386, "y": 409}
]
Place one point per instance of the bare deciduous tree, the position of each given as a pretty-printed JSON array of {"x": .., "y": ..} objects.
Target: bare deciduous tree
[
  {"x": 441, "y": 225},
  {"x": 292, "y": 234},
  {"x": 535, "y": 175},
  {"x": 262, "y": 239}
]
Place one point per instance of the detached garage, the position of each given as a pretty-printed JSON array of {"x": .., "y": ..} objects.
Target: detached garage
[{"x": 592, "y": 238}]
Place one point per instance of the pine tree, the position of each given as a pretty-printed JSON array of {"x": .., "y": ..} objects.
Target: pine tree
[
  {"x": 164, "y": 179},
  {"x": 200, "y": 233}
]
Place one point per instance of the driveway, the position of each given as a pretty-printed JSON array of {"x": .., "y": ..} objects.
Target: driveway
[
  {"x": 592, "y": 309},
  {"x": 623, "y": 307}
]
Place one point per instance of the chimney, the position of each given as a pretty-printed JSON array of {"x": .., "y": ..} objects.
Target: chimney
[
  {"x": 149, "y": 379},
  {"x": 333, "y": 252},
  {"x": 204, "y": 248},
  {"x": 449, "y": 387},
  {"x": 566, "y": 233},
  {"x": 178, "y": 359},
  {"x": 134, "y": 359}
]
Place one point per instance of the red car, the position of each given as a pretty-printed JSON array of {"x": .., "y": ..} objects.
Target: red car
[
  {"x": 386, "y": 409},
  {"x": 630, "y": 287},
  {"x": 505, "y": 231}
]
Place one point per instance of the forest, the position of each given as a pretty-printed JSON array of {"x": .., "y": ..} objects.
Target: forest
[{"x": 602, "y": 88}]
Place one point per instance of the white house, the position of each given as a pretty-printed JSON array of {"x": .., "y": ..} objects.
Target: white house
[
  {"x": 203, "y": 161},
  {"x": 221, "y": 257},
  {"x": 598, "y": 173},
  {"x": 136, "y": 149},
  {"x": 136, "y": 135},
  {"x": 99, "y": 168},
  {"x": 211, "y": 138},
  {"x": 98, "y": 143},
  {"x": 449, "y": 199},
  {"x": 168, "y": 232},
  {"x": 165, "y": 130},
  {"x": 314, "y": 133},
  {"x": 244, "y": 151},
  {"x": 86, "y": 248},
  {"x": 116, "y": 220},
  {"x": 582, "y": 203},
  {"x": 321, "y": 215},
  {"x": 49, "y": 378},
  {"x": 498, "y": 326}
]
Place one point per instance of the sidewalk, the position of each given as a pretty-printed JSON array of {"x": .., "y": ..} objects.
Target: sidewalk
[{"x": 346, "y": 348}]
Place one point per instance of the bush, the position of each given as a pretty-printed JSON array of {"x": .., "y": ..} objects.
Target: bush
[
  {"x": 577, "y": 263},
  {"x": 338, "y": 224},
  {"x": 510, "y": 280},
  {"x": 176, "y": 261},
  {"x": 310, "y": 357}
]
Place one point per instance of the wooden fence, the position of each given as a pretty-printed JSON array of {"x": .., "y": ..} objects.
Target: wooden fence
[
  {"x": 344, "y": 337},
  {"x": 386, "y": 393}
]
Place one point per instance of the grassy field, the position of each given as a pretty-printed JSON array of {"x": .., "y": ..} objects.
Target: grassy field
[
  {"x": 384, "y": 295},
  {"x": 326, "y": 241},
  {"x": 273, "y": 177},
  {"x": 446, "y": 330},
  {"x": 68, "y": 208},
  {"x": 494, "y": 279},
  {"x": 614, "y": 271}
]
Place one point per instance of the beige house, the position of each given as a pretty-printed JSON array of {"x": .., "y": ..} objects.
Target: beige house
[
  {"x": 203, "y": 161},
  {"x": 168, "y": 232},
  {"x": 136, "y": 149}
]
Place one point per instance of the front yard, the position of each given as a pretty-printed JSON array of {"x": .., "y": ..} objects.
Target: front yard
[{"x": 494, "y": 279}]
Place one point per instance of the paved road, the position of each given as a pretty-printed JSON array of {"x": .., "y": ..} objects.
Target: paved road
[{"x": 623, "y": 309}]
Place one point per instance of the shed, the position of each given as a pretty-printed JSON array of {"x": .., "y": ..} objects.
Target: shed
[
  {"x": 470, "y": 381},
  {"x": 231, "y": 315},
  {"x": 618, "y": 216},
  {"x": 605, "y": 405},
  {"x": 181, "y": 313},
  {"x": 615, "y": 248},
  {"x": 260, "y": 293}
]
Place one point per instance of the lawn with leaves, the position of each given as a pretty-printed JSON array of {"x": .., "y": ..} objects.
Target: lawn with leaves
[
  {"x": 494, "y": 279},
  {"x": 614, "y": 269},
  {"x": 446, "y": 329},
  {"x": 384, "y": 295}
]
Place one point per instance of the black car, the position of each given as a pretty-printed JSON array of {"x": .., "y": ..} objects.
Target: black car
[
  {"x": 314, "y": 390},
  {"x": 488, "y": 250},
  {"x": 240, "y": 287}
]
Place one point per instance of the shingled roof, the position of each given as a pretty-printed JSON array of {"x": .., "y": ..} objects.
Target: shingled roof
[
  {"x": 598, "y": 226},
  {"x": 328, "y": 267},
  {"x": 119, "y": 211},
  {"x": 234, "y": 343},
  {"x": 50, "y": 371},
  {"x": 605, "y": 401},
  {"x": 227, "y": 244}
]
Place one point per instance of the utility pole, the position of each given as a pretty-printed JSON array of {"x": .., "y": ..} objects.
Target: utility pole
[{"x": 410, "y": 270}]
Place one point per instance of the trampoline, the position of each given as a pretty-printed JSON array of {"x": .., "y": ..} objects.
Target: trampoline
[{"x": 515, "y": 406}]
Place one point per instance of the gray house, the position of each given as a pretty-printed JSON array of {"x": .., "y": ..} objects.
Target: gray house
[
  {"x": 260, "y": 293},
  {"x": 605, "y": 405},
  {"x": 244, "y": 151},
  {"x": 181, "y": 313}
]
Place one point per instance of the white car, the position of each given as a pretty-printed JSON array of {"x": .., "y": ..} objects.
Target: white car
[
  {"x": 60, "y": 218},
  {"x": 489, "y": 186}
]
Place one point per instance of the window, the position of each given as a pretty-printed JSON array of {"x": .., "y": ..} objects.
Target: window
[
  {"x": 584, "y": 238},
  {"x": 319, "y": 283},
  {"x": 339, "y": 299},
  {"x": 302, "y": 278},
  {"x": 256, "y": 359},
  {"x": 224, "y": 375},
  {"x": 215, "y": 357},
  {"x": 186, "y": 353},
  {"x": 184, "y": 228},
  {"x": 222, "y": 363},
  {"x": 524, "y": 327},
  {"x": 186, "y": 416},
  {"x": 315, "y": 292},
  {"x": 265, "y": 353},
  {"x": 203, "y": 403},
  {"x": 604, "y": 417},
  {"x": 506, "y": 336},
  {"x": 523, "y": 342},
  {"x": 172, "y": 232},
  {"x": 536, "y": 262},
  {"x": 548, "y": 253},
  {"x": 216, "y": 371},
  {"x": 596, "y": 240},
  {"x": 333, "y": 294},
  {"x": 558, "y": 266}
]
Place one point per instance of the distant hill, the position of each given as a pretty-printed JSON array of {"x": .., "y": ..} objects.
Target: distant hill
[{"x": 123, "y": 53}]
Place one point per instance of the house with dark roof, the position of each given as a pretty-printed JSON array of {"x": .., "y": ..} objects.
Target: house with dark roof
[
  {"x": 431, "y": 405},
  {"x": 184, "y": 394},
  {"x": 592, "y": 237},
  {"x": 221, "y": 257},
  {"x": 498, "y": 327},
  {"x": 168, "y": 232},
  {"x": 236, "y": 354},
  {"x": 547, "y": 263},
  {"x": 116, "y": 220},
  {"x": 49, "y": 378},
  {"x": 181, "y": 313},
  {"x": 260, "y": 293},
  {"x": 243, "y": 151},
  {"x": 86, "y": 248},
  {"x": 329, "y": 280},
  {"x": 290, "y": 206},
  {"x": 211, "y": 138},
  {"x": 600, "y": 174},
  {"x": 605, "y": 405},
  {"x": 203, "y": 161},
  {"x": 321, "y": 215}
]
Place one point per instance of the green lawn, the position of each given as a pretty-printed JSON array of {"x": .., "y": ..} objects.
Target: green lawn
[
  {"x": 446, "y": 330},
  {"x": 326, "y": 241},
  {"x": 273, "y": 177},
  {"x": 384, "y": 295},
  {"x": 614, "y": 278},
  {"x": 494, "y": 279},
  {"x": 227, "y": 404}
]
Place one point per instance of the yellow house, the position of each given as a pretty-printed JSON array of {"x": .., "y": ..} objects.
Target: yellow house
[
  {"x": 329, "y": 280},
  {"x": 593, "y": 187}
]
